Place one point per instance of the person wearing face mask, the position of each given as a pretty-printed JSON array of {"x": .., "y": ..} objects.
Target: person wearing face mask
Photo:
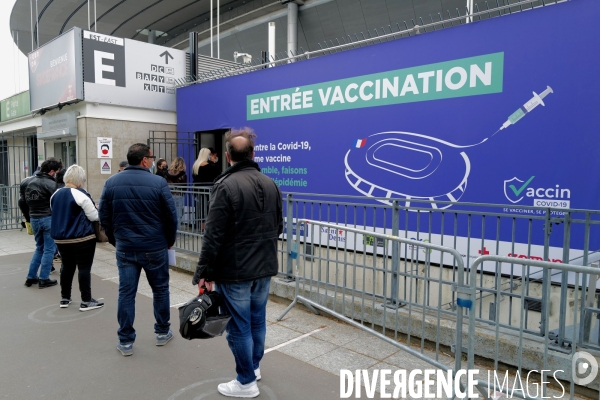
[
  {"x": 138, "y": 215},
  {"x": 161, "y": 167}
]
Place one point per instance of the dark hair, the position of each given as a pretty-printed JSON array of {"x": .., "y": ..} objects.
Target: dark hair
[
  {"x": 123, "y": 164},
  {"x": 212, "y": 151},
  {"x": 60, "y": 175},
  {"x": 51, "y": 164},
  {"x": 241, "y": 151},
  {"x": 137, "y": 152}
]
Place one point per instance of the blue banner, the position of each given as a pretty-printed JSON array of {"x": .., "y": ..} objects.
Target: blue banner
[{"x": 500, "y": 111}]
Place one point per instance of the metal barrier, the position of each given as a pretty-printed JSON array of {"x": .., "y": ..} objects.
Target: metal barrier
[
  {"x": 377, "y": 287},
  {"x": 522, "y": 233},
  {"x": 357, "y": 287},
  {"x": 408, "y": 284},
  {"x": 10, "y": 214},
  {"x": 584, "y": 292},
  {"x": 192, "y": 207}
]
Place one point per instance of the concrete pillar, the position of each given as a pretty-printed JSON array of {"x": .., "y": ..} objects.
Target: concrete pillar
[
  {"x": 151, "y": 36},
  {"x": 292, "y": 29}
]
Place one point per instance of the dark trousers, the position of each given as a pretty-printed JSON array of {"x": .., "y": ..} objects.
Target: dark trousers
[{"x": 80, "y": 256}]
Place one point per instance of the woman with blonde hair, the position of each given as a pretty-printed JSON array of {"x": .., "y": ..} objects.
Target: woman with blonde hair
[
  {"x": 176, "y": 173},
  {"x": 73, "y": 212},
  {"x": 201, "y": 161},
  {"x": 204, "y": 172}
]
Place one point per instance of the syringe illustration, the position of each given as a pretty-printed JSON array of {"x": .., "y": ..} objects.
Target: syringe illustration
[
  {"x": 535, "y": 101},
  {"x": 415, "y": 166}
]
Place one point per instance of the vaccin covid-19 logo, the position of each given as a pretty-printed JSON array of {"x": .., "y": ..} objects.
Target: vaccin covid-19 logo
[{"x": 516, "y": 190}]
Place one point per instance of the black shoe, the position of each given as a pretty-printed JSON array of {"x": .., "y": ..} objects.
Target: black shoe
[
  {"x": 44, "y": 283},
  {"x": 64, "y": 303},
  {"x": 53, "y": 270},
  {"x": 30, "y": 282}
]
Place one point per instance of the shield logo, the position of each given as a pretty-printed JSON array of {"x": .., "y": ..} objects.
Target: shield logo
[{"x": 513, "y": 190}]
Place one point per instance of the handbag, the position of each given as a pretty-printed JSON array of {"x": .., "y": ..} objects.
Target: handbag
[
  {"x": 200, "y": 318},
  {"x": 100, "y": 235}
]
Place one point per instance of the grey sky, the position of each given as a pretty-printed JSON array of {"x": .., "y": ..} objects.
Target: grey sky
[{"x": 13, "y": 68}]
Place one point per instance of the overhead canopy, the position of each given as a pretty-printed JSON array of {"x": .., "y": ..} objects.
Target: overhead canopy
[{"x": 242, "y": 21}]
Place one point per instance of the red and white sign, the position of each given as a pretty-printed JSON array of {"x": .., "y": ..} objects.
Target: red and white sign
[{"x": 104, "y": 147}]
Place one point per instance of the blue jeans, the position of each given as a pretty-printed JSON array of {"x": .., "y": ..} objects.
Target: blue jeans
[
  {"x": 44, "y": 248},
  {"x": 246, "y": 302},
  {"x": 156, "y": 266}
]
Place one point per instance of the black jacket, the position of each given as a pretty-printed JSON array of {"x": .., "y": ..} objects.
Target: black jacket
[
  {"x": 37, "y": 194},
  {"x": 242, "y": 228},
  {"x": 22, "y": 200},
  {"x": 137, "y": 211},
  {"x": 206, "y": 174},
  {"x": 178, "y": 178}
]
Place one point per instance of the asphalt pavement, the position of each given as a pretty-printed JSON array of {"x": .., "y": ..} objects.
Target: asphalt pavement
[{"x": 53, "y": 353}]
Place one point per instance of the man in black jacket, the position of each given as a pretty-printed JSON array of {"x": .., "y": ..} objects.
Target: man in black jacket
[
  {"x": 37, "y": 195},
  {"x": 139, "y": 217},
  {"x": 239, "y": 253}
]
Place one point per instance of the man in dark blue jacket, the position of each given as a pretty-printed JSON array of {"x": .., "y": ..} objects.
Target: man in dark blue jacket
[{"x": 139, "y": 217}]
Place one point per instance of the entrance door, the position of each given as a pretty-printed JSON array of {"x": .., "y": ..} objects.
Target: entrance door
[
  {"x": 214, "y": 139},
  {"x": 66, "y": 152}
]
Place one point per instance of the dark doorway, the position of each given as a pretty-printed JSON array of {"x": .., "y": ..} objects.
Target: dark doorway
[{"x": 213, "y": 139}]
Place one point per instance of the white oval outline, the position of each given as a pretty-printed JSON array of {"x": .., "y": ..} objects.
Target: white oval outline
[{"x": 32, "y": 318}]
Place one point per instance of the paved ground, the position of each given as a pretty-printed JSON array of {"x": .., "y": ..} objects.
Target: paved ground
[{"x": 53, "y": 353}]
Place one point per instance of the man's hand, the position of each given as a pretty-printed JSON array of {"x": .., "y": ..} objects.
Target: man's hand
[{"x": 202, "y": 282}]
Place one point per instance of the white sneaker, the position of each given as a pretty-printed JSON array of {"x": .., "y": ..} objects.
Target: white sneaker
[
  {"x": 257, "y": 374},
  {"x": 236, "y": 389}
]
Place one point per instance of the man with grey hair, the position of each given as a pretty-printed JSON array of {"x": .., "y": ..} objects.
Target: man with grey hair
[
  {"x": 239, "y": 253},
  {"x": 122, "y": 166}
]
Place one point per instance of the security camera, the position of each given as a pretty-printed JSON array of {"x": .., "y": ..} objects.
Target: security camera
[{"x": 246, "y": 58}]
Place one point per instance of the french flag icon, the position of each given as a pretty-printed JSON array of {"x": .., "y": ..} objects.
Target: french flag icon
[{"x": 360, "y": 143}]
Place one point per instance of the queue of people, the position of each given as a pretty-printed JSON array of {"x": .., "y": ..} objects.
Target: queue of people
[{"x": 140, "y": 216}]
